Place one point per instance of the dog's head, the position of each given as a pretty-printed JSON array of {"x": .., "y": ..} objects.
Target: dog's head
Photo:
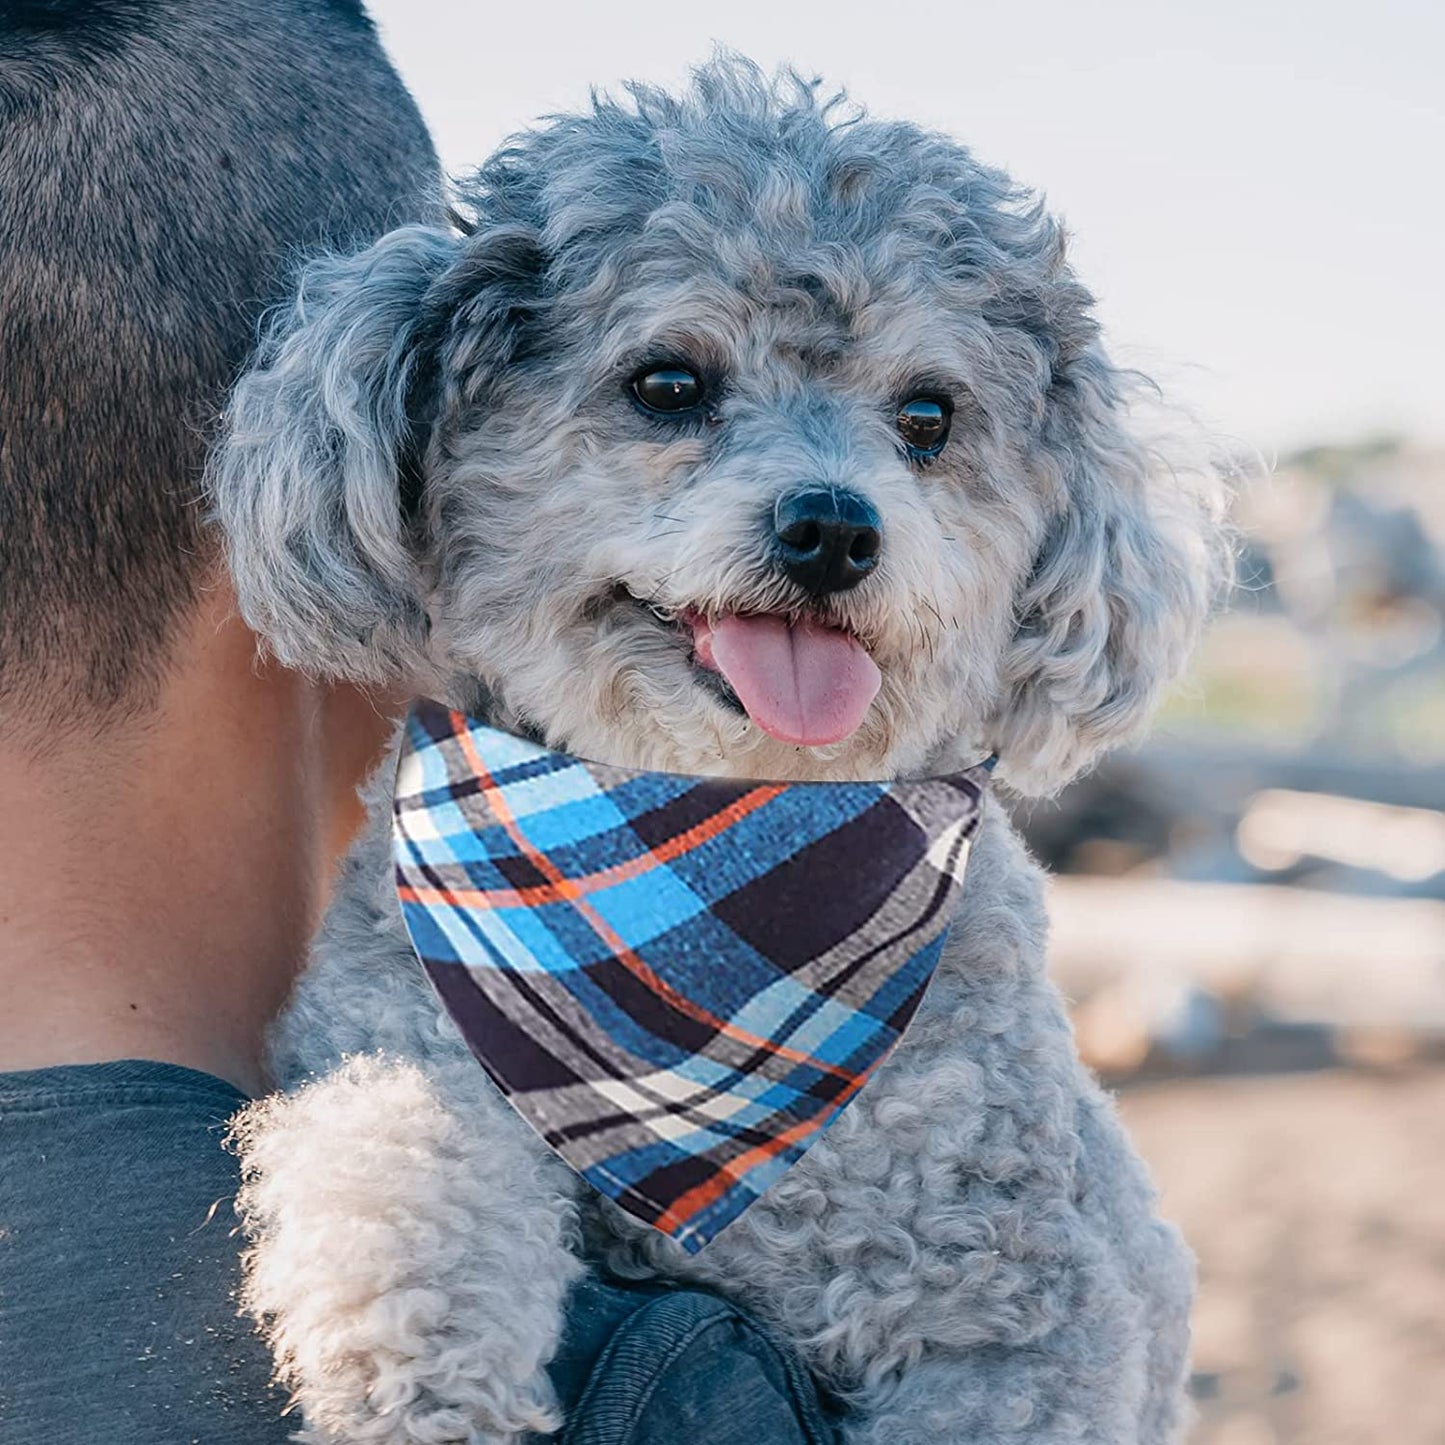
[{"x": 731, "y": 434}]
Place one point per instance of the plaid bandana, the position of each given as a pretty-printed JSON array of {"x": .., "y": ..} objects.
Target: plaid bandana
[{"x": 678, "y": 982}]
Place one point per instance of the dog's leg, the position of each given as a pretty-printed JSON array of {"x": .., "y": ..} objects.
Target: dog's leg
[
  {"x": 1110, "y": 1372},
  {"x": 409, "y": 1257},
  {"x": 1104, "y": 1366}
]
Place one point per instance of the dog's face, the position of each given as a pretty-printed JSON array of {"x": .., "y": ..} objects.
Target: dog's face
[
  {"x": 736, "y": 522},
  {"x": 733, "y": 439}
]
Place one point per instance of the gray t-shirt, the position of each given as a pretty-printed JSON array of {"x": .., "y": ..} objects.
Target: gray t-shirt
[{"x": 118, "y": 1264}]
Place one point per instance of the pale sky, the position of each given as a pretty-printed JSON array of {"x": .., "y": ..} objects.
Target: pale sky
[{"x": 1254, "y": 189}]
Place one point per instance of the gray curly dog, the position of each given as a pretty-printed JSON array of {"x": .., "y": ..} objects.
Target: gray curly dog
[{"x": 527, "y": 466}]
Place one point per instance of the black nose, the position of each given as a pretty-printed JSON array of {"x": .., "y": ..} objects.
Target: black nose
[{"x": 827, "y": 540}]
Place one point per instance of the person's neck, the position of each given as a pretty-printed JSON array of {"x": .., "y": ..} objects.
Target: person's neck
[{"x": 160, "y": 878}]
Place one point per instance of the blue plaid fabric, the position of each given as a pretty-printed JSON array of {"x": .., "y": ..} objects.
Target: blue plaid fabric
[{"x": 678, "y": 982}]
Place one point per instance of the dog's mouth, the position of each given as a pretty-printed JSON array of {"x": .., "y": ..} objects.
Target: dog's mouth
[{"x": 800, "y": 679}]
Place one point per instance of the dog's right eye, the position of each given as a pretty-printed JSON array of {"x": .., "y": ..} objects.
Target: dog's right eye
[{"x": 667, "y": 389}]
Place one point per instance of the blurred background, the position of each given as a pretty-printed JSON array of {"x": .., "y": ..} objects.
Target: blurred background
[
  {"x": 1249, "y": 911},
  {"x": 1249, "y": 916}
]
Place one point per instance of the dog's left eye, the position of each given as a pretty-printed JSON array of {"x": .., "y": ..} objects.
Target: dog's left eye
[
  {"x": 923, "y": 423},
  {"x": 668, "y": 389}
]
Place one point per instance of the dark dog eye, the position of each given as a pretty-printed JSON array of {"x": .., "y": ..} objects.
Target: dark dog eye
[
  {"x": 668, "y": 389},
  {"x": 923, "y": 424}
]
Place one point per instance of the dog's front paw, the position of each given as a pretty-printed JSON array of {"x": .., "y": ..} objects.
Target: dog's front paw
[{"x": 408, "y": 1260}]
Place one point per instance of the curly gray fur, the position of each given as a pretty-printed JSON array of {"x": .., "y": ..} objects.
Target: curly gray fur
[{"x": 970, "y": 1253}]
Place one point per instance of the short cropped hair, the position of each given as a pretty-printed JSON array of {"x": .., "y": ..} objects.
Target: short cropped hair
[{"x": 164, "y": 165}]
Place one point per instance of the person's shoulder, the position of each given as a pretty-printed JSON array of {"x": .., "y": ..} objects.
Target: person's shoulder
[
  {"x": 62, "y": 1088},
  {"x": 670, "y": 1359},
  {"x": 119, "y": 1253}
]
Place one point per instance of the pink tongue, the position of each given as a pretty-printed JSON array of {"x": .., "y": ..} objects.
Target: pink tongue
[{"x": 802, "y": 684}]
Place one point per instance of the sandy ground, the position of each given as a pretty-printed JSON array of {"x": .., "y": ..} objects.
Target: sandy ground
[{"x": 1316, "y": 1205}]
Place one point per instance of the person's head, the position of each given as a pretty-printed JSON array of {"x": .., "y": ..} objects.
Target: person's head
[{"x": 164, "y": 165}]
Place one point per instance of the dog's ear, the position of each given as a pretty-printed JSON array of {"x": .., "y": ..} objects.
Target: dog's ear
[
  {"x": 1131, "y": 564},
  {"x": 316, "y": 479},
  {"x": 305, "y": 478}
]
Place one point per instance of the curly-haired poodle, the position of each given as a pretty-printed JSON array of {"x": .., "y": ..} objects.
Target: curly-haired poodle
[{"x": 701, "y": 383}]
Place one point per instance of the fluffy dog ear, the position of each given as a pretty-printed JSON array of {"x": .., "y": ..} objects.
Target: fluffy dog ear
[
  {"x": 1129, "y": 569},
  {"x": 306, "y": 480}
]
